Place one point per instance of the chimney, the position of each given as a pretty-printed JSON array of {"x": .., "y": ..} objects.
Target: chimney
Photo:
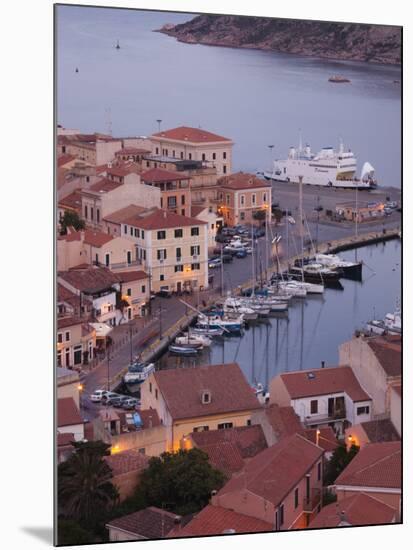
[{"x": 323, "y": 364}]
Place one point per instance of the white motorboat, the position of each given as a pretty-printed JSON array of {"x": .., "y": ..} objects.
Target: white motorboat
[
  {"x": 215, "y": 321},
  {"x": 205, "y": 331},
  {"x": 350, "y": 270},
  {"x": 193, "y": 339},
  {"x": 328, "y": 168},
  {"x": 137, "y": 373},
  {"x": 391, "y": 324}
]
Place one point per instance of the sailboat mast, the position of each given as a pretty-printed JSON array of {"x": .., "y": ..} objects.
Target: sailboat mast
[
  {"x": 300, "y": 215},
  {"x": 357, "y": 218}
]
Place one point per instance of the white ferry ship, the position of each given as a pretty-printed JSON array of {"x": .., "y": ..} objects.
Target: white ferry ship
[{"x": 326, "y": 168}]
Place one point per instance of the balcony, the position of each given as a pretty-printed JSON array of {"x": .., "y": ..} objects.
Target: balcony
[
  {"x": 311, "y": 503},
  {"x": 316, "y": 419}
]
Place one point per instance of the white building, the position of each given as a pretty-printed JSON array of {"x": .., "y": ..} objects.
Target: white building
[{"x": 325, "y": 396}]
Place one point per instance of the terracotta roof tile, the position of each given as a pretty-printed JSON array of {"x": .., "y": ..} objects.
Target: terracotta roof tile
[
  {"x": 90, "y": 280},
  {"x": 274, "y": 472},
  {"x": 224, "y": 456},
  {"x": 249, "y": 440},
  {"x": 63, "y": 322},
  {"x": 398, "y": 389},
  {"x": 149, "y": 418},
  {"x": 65, "y": 440},
  {"x": 182, "y": 389},
  {"x": 150, "y": 523},
  {"x": 67, "y": 412},
  {"x": 128, "y": 276},
  {"x": 104, "y": 185},
  {"x": 283, "y": 420},
  {"x": 64, "y": 159},
  {"x": 72, "y": 201},
  {"x": 127, "y": 461},
  {"x": 193, "y": 135},
  {"x": 196, "y": 210},
  {"x": 360, "y": 509},
  {"x": 388, "y": 351},
  {"x": 214, "y": 520},
  {"x": 375, "y": 465},
  {"x": 124, "y": 213},
  {"x": 242, "y": 180},
  {"x": 157, "y": 175},
  {"x": 326, "y": 438},
  {"x": 132, "y": 151},
  {"x": 162, "y": 219},
  {"x": 380, "y": 430},
  {"x": 325, "y": 381},
  {"x": 94, "y": 238}
]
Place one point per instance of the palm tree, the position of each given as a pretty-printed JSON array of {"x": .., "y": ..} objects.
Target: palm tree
[{"x": 85, "y": 491}]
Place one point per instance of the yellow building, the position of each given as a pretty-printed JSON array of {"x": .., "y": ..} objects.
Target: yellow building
[
  {"x": 187, "y": 143},
  {"x": 76, "y": 340},
  {"x": 211, "y": 397}
]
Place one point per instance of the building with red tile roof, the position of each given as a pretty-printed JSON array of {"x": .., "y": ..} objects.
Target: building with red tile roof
[
  {"x": 208, "y": 397},
  {"x": 356, "y": 510},
  {"x": 227, "y": 449},
  {"x": 277, "y": 422},
  {"x": 282, "y": 482},
  {"x": 150, "y": 523},
  {"x": 242, "y": 196},
  {"x": 162, "y": 219},
  {"x": 377, "y": 363},
  {"x": 127, "y": 467},
  {"x": 215, "y": 520},
  {"x": 377, "y": 471},
  {"x": 194, "y": 144},
  {"x": 323, "y": 396},
  {"x": 174, "y": 187},
  {"x": 72, "y": 203},
  {"x": 374, "y": 431},
  {"x": 69, "y": 420}
]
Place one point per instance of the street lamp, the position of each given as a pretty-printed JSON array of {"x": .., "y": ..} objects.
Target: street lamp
[
  {"x": 159, "y": 120},
  {"x": 270, "y": 147}
]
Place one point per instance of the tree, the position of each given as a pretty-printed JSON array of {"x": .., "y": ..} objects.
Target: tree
[
  {"x": 71, "y": 219},
  {"x": 70, "y": 533},
  {"x": 259, "y": 214},
  {"x": 180, "y": 482},
  {"x": 340, "y": 458},
  {"x": 85, "y": 492}
]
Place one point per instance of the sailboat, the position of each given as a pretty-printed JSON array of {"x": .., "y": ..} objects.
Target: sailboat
[{"x": 117, "y": 45}]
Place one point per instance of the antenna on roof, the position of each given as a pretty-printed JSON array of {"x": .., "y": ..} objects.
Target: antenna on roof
[
  {"x": 108, "y": 120},
  {"x": 300, "y": 141}
]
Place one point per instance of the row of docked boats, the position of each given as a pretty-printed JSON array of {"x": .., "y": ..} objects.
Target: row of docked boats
[{"x": 391, "y": 324}]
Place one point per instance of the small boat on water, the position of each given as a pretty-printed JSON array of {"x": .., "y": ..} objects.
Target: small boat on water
[
  {"x": 205, "y": 331},
  {"x": 350, "y": 270},
  {"x": 183, "y": 350},
  {"x": 137, "y": 373},
  {"x": 193, "y": 339},
  {"x": 391, "y": 324},
  {"x": 216, "y": 321},
  {"x": 338, "y": 79},
  {"x": 117, "y": 47},
  {"x": 315, "y": 273}
]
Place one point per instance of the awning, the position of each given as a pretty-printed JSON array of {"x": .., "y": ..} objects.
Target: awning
[{"x": 102, "y": 329}]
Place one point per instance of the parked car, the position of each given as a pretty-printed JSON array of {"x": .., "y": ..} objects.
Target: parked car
[
  {"x": 118, "y": 400},
  {"x": 97, "y": 395},
  {"x": 222, "y": 238},
  {"x": 164, "y": 293},
  {"x": 214, "y": 262},
  {"x": 391, "y": 204},
  {"x": 241, "y": 253},
  {"x": 108, "y": 396},
  {"x": 227, "y": 258},
  {"x": 130, "y": 403},
  {"x": 291, "y": 220}
]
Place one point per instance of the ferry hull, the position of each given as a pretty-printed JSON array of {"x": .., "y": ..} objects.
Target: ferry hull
[{"x": 342, "y": 184}]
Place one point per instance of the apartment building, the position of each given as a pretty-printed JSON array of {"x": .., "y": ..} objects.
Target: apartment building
[{"x": 174, "y": 187}]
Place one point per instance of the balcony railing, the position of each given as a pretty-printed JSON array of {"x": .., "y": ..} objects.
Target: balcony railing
[
  {"x": 311, "y": 503},
  {"x": 339, "y": 414}
]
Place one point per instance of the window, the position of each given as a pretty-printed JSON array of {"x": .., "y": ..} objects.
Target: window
[
  {"x": 131, "y": 231},
  {"x": 225, "y": 425},
  {"x": 363, "y": 410},
  {"x": 183, "y": 212},
  {"x": 150, "y": 387},
  {"x": 97, "y": 215},
  {"x": 195, "y": 250},
  {"x": 224, "y": 155},
  {"x": 194, "y": 231},
  {"x": 142, "y": 450},
  {"x": 67, "y": 336},
  {"x": 296, "y": 498},
  {"x": 182, "y": 199},
  {"x": 59, "y": 358},
  {"x": 228, "y": 199},
  {"x": 224, "y": 169},
  {"x": 144, "y": 254},
  {"x": 173, "y": 153},
  {"x": 242, "y": 215},
  {"x": 182, "y": 155},
  {"x": 129, "y": 292},
  {"x": 161, "y": 235},
  {"x": 179, "y": 268},
  {"x": 161, "y": 277},
  {"x": 156, "y": 393},
  {"x": 249, "y": 422},
  {"x": 161, "y": 254},
  {"x": 314, "y": 406},
  {"x": 200, "y": 429},
  {"x": 190, "y": 156},
  {"x": 86, "y": 211},
  {"x": 178, "y": 233},
  {"x": 136, "y": 232},
  {"x": 91, "y": 213},
  {"x": 59, "y": 337},
  {"x": 254, "y": 198},
  {"x": 171, "y": 202},
  {"x": 143, "y": 288},
  {"x": 195, "y": 267},
  {"x": 281, "y": 515},
  {"x": 157, "y": 150},
  {"x": 203, "y": 156},
  {"x": 178, "y": 253},
  {"x": 129, "y": 257},
  {"x": 242, "y": 200},
  {"x": 77, "y": 355},
  {"x": 214, "y": 156},
  {"x": 264, "y": 198},
  {"x": 125, "y": 229},
  {"x": 107, "y": 260},
  {"x": 319, "y": 471}
]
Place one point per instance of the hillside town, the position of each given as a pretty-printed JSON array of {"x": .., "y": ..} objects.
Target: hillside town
[{"x": 159, "y": 241}]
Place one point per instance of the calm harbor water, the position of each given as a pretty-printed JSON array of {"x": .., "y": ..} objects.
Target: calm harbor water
[
  {"x": 256, "y": 98},
  {"x": 313, "y": 328}
]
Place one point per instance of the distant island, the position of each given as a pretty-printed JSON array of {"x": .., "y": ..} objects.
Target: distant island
[{"x": 344, "y": 41}]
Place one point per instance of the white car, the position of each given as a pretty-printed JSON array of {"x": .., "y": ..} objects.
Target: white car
[
  {"x": 291, "y": 220},
  {"x": 97, "y": 395}
]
